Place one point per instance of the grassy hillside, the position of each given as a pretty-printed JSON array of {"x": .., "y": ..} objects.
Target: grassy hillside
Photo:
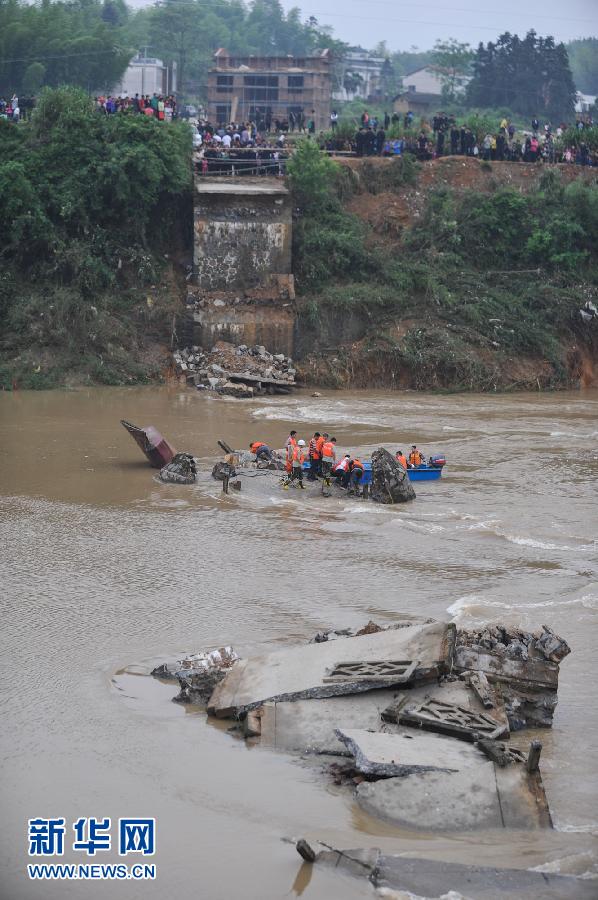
[{"x": 437, "y": 285}]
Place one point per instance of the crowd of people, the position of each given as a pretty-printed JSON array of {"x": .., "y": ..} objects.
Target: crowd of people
[
  {"x": 163, "y": 108},
  {"x": 260, "y": 146},
  {"x": 444, "y": 136},
  {"x": 15, "y": 109},
  {"x": 320, "y": 453},
  {"x": 239, "y": 147}
]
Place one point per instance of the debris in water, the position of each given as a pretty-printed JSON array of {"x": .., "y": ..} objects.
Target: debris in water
[
  {"x": 390, "y": 482},
  {"x": 182, "y": 469},
  {"x": 156, "y": 448},
  {"x": 239, "y": 371},
  {"x": 199, "y": 673}
]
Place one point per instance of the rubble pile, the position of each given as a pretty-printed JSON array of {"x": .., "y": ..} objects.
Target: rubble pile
[
  {"x": 236, "y": 371},
  {"x": 198, "y": 674},
  {"x": 523, "y": 665},
  {"x": 516, "y": 644}
]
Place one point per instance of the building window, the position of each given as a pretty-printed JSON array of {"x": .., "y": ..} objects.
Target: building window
[
  {"x": 224, "y": 84},
  {"x": 223, "y": 113},
  {"x": 261, "y": 81},
  {"x": 260, "y": 88},
  {"x": 296, "y": 83}
]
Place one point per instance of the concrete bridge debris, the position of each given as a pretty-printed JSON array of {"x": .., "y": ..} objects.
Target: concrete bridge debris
[
  {"x": 403, "y": 876},
  {"x": 418, "y": 730}
]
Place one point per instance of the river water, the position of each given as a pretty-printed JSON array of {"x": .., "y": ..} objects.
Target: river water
[{"x": 104, "y": 572}]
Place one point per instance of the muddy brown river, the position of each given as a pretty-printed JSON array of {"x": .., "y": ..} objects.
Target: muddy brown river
[{"x": 105, "y": 572}]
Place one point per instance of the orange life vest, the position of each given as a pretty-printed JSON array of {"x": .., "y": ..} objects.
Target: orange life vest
[
  {"x": 343, "y": 465},
  {"x": 328, "y": 451},
  {"x": 319, "y": 444},
  {"x": 313, "y": 448},
  {"x": 357, "y": 464},
  {"x": 256, "y": 446},
  {"x": 401, "y": 459},
  {"x": 415, "y": 458}
]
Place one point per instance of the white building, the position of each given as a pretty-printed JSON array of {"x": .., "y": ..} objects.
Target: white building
[
  {"x": 147, "y": 75},
  {"x": 357, "y": 75},
  {"x": 430, "y": 80},
  {"x": 584, "y": 103}
]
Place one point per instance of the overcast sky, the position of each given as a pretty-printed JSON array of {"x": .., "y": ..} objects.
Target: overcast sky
[{"x": 406, "y": 23}]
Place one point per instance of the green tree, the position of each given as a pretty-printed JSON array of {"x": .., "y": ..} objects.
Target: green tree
[
  {"x": 453, "y": 58},
  {"x": 175, "y": 32},
  {"x": 33, "y": 78},
  {"x": 61, "y": 43},
  {"x": 530, "y": 76},
  {"x": 583, "y": 58}
]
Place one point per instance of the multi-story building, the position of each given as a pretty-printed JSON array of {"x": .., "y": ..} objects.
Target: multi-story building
[
  {"x": 267, "y": 88},
  {"x": 358, "y": 74},
  {"x": 147, "y": 75}
]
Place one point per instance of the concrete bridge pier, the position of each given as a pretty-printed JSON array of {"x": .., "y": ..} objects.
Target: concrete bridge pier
[{"x": 242, "y": 289}]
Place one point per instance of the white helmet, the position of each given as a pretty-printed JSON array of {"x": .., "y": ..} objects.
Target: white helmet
[{"x": 301, "y": 443}]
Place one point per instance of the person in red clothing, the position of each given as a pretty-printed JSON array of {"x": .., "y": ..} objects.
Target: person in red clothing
[{"x": 342, "y": 471}]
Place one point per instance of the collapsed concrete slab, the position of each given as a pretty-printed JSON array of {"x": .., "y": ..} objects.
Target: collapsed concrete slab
[
  {"x": 480, "y": 795},
  {"x": 408, "y": 752},
  {"x": 309, "y": 725},
  {"x": 452, "y": 708},
  {"x": 430, "y": 878},
  {"x": 417, "y": 877},
  {"x": 335, "y": 668}
]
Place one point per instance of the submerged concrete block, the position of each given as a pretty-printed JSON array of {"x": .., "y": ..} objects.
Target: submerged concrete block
[
  {"x": 300, "y": 673},
  {"x": 407, "y": 752},
  {"x": 309, "y": 725}
]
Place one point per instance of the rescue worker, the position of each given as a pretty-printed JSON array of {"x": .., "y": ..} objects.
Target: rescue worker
[
  {"x": 261, "y": 450},
  {"x": 319, "y": 444},
  {"x": 328, "y": 457},
  {"x": 415, "y": 458},
  {"x": 342, "y": 472},
  {"x": 314, "y": 457},
  {"x": 401, "y": 458},
  {"x": 356, "y": 471},
  {"x": 297, "y": 463},
  {"x": 290, "y": 447}
]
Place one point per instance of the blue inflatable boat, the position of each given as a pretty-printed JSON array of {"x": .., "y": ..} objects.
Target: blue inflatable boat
[
  {"x": 430, "y": 471},
  {"x": 421, "y": 473}
]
